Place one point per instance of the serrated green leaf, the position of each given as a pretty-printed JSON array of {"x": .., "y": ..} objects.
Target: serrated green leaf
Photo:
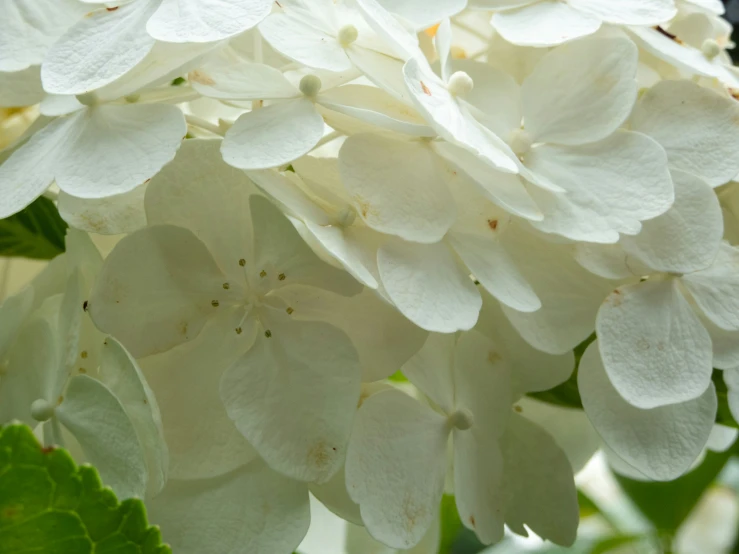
[
  {"x": 35, "y": 232},
  {"x": 50, "y": 505}
]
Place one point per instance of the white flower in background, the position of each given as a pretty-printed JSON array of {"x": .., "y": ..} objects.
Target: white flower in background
[
  {"x": 29, "y": 27},
  {"x": 251, "y": 281},
  {"x": 396, "y": 473},
  {"x": 339, "y": 36},
  {"x": 373, "y": 185},
  {"x": 655, "y": 331},
  {"x": 662, "y": 442},
  {"x": 708, "y": 60},
  {"x": 559, "y": 136},
  {"x": 61, "y": 373},
  {"x": 98, "y": 145},
  {"x": 696, "y": 126},
  {"x": 551, "y": 22}
]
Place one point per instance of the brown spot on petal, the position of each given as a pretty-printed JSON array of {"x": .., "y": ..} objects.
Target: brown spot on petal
[
  {"x": 493, "y": 224},
  {"x": 200, "y": 77},
  {"x": 472, "y": 521},
  {"x": 517, "y": 408},
  {"x": 493, "y": 357},
  {"x": 112, "y": 9},
  {"x": 319, "y": 455},
  {"x": 425, "y": 89}
]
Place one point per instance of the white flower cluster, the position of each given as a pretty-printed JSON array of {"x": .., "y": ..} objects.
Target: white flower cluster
[{"x": 318, "y": 193}]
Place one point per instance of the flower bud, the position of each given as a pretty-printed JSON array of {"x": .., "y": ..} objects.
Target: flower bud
[
  {"x": 41, "y": 410},
  {"x": 310, "y": 85},
  {"x": 460, "y": 83},
  {"x": 347, "y": 35}
]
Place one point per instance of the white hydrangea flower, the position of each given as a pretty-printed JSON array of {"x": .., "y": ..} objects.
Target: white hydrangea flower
[
  {"x": 550, "y": 22},
  {"x": 62, "y": 374},
  {"x": 655, "y": 346},
  {"x": 472, "y": 385},
  {"x": 662, "y": 442}
]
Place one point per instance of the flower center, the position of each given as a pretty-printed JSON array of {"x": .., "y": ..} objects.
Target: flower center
[
  {"x": 41, "y": 410},
  {"x": 347, "y": 216},
  {"x": 710, "y": 48},
  {"x": 347, "y": 35},
  {"x": 310, "y": 85},
  {"x": 460, "y": 83},
  {"x": 462, "y": 419},
  {"x": 520, "y": 142}
]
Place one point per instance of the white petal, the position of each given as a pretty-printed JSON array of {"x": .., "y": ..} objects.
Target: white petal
[
  {"x": 223, "y": 78},
  {"x": 545, "y": 23},
  {"x": 29, "y": 27},
  {"x": 683, "y": 56},
  {"x": 629, "y": 184},
  {"x": 496, "y": 94},
  {"x": 403, "y": 42},
  {"x": 384, "y": 339},
  {"x": 595, "y": 80},
  {"x": 531, "y": 370},
  {"x": 685, "y": 238},
  {"x": 609, "y": 261},
  {"x": 21, "y": 88},
  {"x": 436, "y": 103},
  {"x": 424, "y": 13},
  {"x": 490, "y": 263},
  {"x": 570, "y": 295},
  {"x": 99, "y": 49},
  {"x": 165, "y": 62},
  {"x": 32, "y": 361},
  {"x": 117, "y": 148},
  {"x": 628, "y": 12},
  {"x": 429, "y": 286},
  {"x": 108, "y": 438},
  {"x": 121, "y": 374},
  {"x": 252, "y": 509},
  {"x": 293, "y": 396},
  {"x": 432, "y": 369},
  {"x": 31, "y": 168},
  {"x": 538, "y": 484},
  {"x": 175, "y": 196},
  {"x": 205, "y": 20},
  {"x": 352, "y": 247},
  {"x": 716, "y": 289},
  {"x": 203, "y": 441},
  {"x": 334, "y": 496},
  {"x": 397, "y": 187},
  {"x": 272, "y": 136},
  {"x": 654, "y": 348},
  {"x": 155, "y": 289},
  {"x": 13, "y": 313},
  {"x": 375, "y": 106},
  {"x": 396, "y": 472},
  {"x": 725, "y": 345},
  {"x": 695, "y": 125},
  {"x": 279, "y": 249},
  {"x": 304, "y": 42},
  {"x": 384, "y": 71},
  {"x": 569, "y": 427},
  {"x": 112, "y": 215},
  {"x": 663, "y": 442},
  {"x": 504, "y": 189},
  {"x": 478, "y": 476}
]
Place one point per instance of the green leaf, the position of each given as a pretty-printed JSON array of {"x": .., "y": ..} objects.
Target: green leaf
[
  {"x": 35, "y": 232},
  {"x": 50, "y": 505},
  {"x": 667, "y": 504}
]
